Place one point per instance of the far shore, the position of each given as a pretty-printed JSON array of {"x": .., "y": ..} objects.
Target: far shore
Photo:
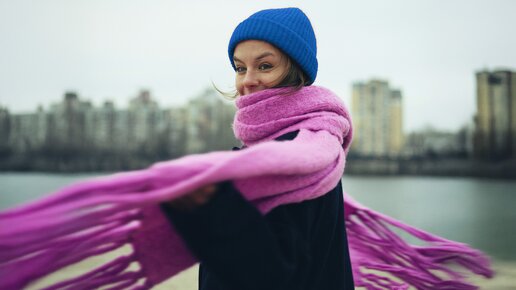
[
  {"x": 442, "y": 167},
  {"x": 451, "y": 167}
]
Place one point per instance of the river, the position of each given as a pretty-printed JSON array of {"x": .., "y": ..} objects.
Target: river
[{"x": 479, "y": 212}]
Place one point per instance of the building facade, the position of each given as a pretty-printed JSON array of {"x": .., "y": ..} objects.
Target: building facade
[
  {"x": 74, "y": 129},
  {"x": 377, "y": 113},
  {"x": 495, "y": 119}
]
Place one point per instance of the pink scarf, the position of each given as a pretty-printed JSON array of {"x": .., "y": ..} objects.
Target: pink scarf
[{"x": 103, "y": 214}]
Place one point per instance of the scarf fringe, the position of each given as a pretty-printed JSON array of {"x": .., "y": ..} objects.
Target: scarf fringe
[
  {"x": 113, "y": 275},
  {"x": 375, "y": 248},
  {"x": 32, "y": 256}
]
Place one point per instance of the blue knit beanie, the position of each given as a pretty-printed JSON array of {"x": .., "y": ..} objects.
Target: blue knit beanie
[{"x": 289, "y": 29}]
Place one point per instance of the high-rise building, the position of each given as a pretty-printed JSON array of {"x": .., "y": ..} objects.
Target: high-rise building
[
  {"x": 146, "y": 119},
  {"x": 495, "y": 120},
  {"x": 5, "y": 126},
  {"x": 377, "y": 113},
  {"x": 210, "y": 120},
  {"x": 67, "y": 123}
]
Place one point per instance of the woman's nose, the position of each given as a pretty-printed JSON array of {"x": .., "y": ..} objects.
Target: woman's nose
[{"x": 250, "y": 79}]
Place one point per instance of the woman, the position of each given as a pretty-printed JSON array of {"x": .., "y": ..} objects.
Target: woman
[{"x": 295, "y": 246}]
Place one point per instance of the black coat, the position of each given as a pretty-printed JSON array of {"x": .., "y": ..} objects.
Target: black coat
[{"x": 295, "y": 246}]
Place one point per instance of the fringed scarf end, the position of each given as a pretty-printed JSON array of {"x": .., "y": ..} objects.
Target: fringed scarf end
[{"x": 383, "y": 260}]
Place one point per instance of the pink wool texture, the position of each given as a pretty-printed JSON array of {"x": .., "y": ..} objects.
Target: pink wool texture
[{"x": 103, "y": 214}]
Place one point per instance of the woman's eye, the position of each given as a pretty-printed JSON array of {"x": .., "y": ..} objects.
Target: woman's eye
[
  {"x": 265, "y": 66},
  {"x": 240, "y": 69}
]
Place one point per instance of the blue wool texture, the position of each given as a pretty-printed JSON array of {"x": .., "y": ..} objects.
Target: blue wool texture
[{"x": 289, "y": 29}]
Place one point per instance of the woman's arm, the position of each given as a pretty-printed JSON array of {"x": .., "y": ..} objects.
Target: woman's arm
[{"x": 235, "y": 242}]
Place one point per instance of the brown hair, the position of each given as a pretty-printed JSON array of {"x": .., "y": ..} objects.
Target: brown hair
[{"x": 293, "y": 78}]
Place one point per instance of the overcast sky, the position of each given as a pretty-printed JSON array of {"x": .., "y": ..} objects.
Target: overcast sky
[{"x": 106, "y": 49}]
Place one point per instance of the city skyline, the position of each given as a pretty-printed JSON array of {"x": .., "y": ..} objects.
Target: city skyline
[
  {"x": 109, "y": 50},
  {"x": 73, "y": 133},
  {"x": 125, "y": 103}
]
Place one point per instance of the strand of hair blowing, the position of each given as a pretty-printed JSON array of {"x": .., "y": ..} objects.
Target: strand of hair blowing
[{"x": 103, "y": 214}]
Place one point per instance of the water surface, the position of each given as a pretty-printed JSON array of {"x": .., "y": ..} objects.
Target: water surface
[{"x": 479, "y": 212}]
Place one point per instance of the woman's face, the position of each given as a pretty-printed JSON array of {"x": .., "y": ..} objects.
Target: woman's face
[{"x": 259, "y": 65}]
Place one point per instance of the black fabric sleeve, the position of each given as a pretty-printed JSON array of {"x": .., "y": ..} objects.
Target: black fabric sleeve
[{"x": 234, "y": 240}]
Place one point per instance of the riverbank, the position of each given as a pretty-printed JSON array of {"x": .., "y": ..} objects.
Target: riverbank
[
  {"x": 432, "y": 167},
  {"x": 505, "y": 278},
  {"x": 449, "y": 167}
]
